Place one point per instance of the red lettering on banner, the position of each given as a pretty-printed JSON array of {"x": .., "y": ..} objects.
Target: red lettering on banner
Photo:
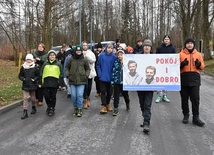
[
  {"x": 166, "y": 61},
  {"x": 170, "y": 79}
]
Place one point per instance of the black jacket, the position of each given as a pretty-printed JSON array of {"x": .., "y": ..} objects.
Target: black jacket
[
  {"x": 163, "y": 49},
  {"x": 29, "y": 77}
]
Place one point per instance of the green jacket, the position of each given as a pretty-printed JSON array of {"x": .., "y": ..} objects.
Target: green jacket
[
  {"x": 43, "y": 56},
  {"x": 77, "y": 70}
]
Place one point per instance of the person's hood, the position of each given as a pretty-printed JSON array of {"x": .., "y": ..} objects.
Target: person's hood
[{"x": 107, "y": 47}]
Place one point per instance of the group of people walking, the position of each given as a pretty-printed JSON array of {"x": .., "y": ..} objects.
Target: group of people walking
[{"x": 43, "y": 73}]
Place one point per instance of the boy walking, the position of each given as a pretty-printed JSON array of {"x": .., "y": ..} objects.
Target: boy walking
[
  {"x": 117, "y": 81},
  {"x": 51, "y": 78},
  {"x": 104, "y": 69}
]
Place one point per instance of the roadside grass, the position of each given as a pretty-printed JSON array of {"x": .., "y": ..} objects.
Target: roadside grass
[
  {"x": 10, "y": 85},
  {"x": 209, "y": 66}
]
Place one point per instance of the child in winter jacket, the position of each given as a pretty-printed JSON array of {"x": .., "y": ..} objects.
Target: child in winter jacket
[
  {"x": 51, "y": 78},
  {"x": 77, "y": 71},
  {"x": 29, "y": 74},
  {"x": 117, "y": 81}
]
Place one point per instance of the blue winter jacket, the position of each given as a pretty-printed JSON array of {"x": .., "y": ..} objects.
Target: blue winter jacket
[
  {"x": 105, "y": 65},
  {"x": 117, "y": 73}
]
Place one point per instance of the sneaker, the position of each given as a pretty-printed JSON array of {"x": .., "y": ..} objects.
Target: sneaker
[
  {"x": 158, "y": 99},
  {"x": 79, "y": 112},
  {"x": 51, "y": 111},
  {"x": 185, "y": 119},
  {"x": 128, "y": 107},
  {"x": 165, "y": 99},
  {"x": 146, "y": 127},
  {"x": 75, "y": 111},
  {"x": 115, "y": 112}
]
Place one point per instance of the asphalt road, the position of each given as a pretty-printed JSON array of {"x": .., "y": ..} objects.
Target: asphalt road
[{"x": 95, "y": 134}]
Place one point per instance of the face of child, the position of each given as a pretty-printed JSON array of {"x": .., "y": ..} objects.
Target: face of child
[
  {"x": 78, "y": 52},
  {"x": 29, "y": 61},
  {"x": 109, "y": 49},
  {"x": 189, "y": 45},
  {"x": 52, "y": 56},
  {"x": 85, "y": 46},
  {"x": 120, "y": 56},
  {"x": 166, "y": 40},
  {"x": 146, "y": 49}
]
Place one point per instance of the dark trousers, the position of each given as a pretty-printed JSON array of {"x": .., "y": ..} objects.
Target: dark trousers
[
  {"x": 50, "y": 96},
  {"x": 39, "y": 94},
  {"x": 118, "y": 88},
  {"x": 145, "y": 100},
  {"x": 87, "y": 89},
  {"x": 105, "y": 88},
  {"x": 97, "y": 83},
  {"x": 192, "y": 93}
]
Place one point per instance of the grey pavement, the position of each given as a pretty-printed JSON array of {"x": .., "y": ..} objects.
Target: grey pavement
[{"x": 95, "y": 134}]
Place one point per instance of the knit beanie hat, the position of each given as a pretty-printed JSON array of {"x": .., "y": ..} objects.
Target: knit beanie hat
[
  {"x": 99, "y": 45},
  {"x": 189, "y": 40},
  {"x": 51, "y": 51},
  {"x": 147, "y": 42},
  {"x": 78, "y": 48},
  {"x": 29, "y": 57},
  {"x": 118, "y": 40},
  {"x": 120, "y": 51},
  {"x": 129, "y": 48}
]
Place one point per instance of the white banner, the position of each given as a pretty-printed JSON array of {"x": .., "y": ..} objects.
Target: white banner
[{"x": 151, "y": 72}]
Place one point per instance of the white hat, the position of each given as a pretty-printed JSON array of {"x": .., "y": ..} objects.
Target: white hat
[
  {"x": 29, "y": 57},
  {"x": 123, "y": 46}
]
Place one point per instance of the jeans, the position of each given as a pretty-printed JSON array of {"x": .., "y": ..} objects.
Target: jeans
[
  {"x": 145, "y": 99},
  {"x": 77, "y": 95},
  {"x": 162, "y": 93}
]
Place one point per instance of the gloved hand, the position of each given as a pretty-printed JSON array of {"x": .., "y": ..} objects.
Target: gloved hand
[
  {"x": 197, "y": 63},
  {"x": 184, "y": 63}
]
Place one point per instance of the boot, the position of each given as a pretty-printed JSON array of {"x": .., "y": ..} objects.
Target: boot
[
  {"x": 97, "y": 95},
  {"x": 146, "y": 127},
  {"x": 196, "y": 120},
  {"x": 103, "y": 110},
  {"x": 108, "y": 107},
  {"x": 51, "y": 111},
  {"x": 88, "y": 101},
  {"x": 127, "y": 106},
  {"x": 75, "y": 111},
  {"x": 79, "y": 112},
  {"x": 186, "y": 119},
  {"x": 85, "y": 105},
  {"x": 33, "y": 110},
  {"x": 40, "y": 104},
  {"x": 25, "y": 115}
]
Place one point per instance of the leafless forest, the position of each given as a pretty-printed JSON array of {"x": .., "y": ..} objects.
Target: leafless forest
[{"x": 25, "y": 23}]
